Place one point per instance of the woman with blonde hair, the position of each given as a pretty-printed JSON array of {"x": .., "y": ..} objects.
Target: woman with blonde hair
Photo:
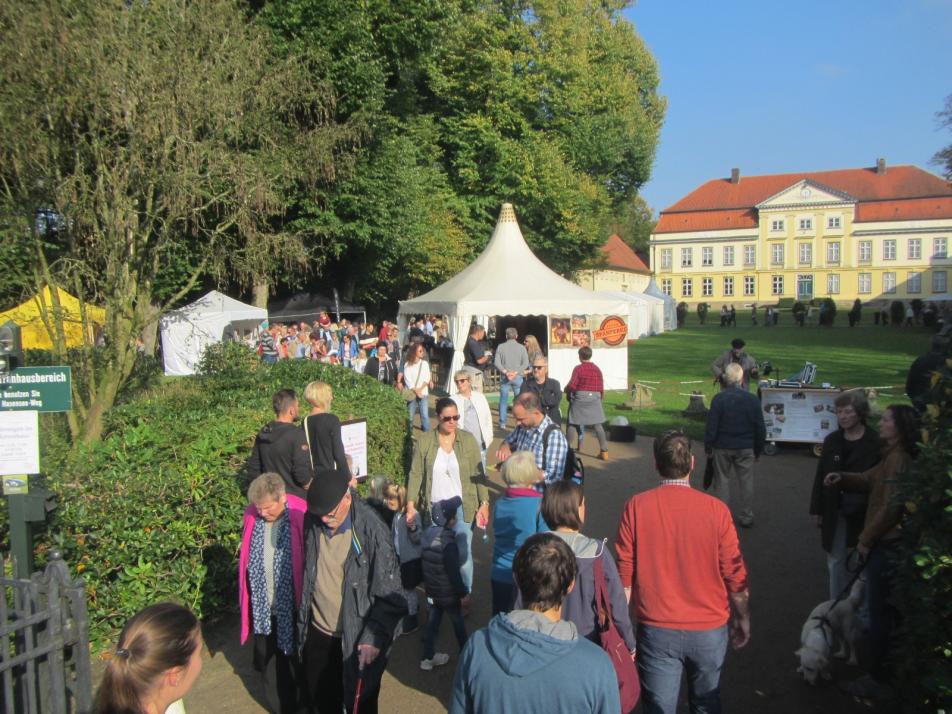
[
  {"x": 533, "y": 348},
  {"x": 416, "y": 377},
  {"x": 156, "y": 662},
  {"x": 322, "y": 430}
]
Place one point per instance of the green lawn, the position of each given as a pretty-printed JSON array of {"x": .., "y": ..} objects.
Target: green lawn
[{"x": 866, "y": 356}]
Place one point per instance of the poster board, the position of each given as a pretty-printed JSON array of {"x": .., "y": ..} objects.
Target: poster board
[
  {"x": 353, "y": 433},
  {"x": 595, "y": 331},
  {"x": 798, "y": 415},
  {"x": 19, "y": 443}
]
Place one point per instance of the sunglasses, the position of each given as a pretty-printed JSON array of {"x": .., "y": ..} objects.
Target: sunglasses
[
  {"x": 461, "y": 381},
  {"x": 450, "y": 418},
  {"x": 538, "y": 366}
]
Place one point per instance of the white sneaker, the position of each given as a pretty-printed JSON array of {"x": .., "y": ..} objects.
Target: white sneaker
[{"x": 437, "y": 660}]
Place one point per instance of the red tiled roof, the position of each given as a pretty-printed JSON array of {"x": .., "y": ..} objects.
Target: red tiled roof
[
  {"x": 706, "y": 221},
  {"x": 863, "y": 184},
  {"x": 916, "y": 208},
  {"x": 619, "y": 255}
]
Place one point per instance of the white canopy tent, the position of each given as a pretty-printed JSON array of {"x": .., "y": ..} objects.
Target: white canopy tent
[
  {"x": 640, "y": 311},
  {"x": 186, "y": 332},
  {"x": 508, "y": 279},
  {"x": 670, "y": 305}
]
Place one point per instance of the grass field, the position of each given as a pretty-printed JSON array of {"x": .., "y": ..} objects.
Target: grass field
[{"x": 865, "y": 356}]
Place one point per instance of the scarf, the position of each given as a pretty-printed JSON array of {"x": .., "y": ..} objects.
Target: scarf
[{"x": 282, "y": 607}]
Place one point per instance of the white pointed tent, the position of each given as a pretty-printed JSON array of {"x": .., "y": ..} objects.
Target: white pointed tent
[
  {"x": 188, "y": 331},
  {"x": 508, "y": 279},
  {"x": 641, "y": 309},
  {"x": 670, "y": 305}
]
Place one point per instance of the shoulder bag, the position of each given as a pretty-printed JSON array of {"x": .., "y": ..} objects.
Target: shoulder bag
[
  {"x": 629, "y": 686},
  {"x": 409, "y": 394}
]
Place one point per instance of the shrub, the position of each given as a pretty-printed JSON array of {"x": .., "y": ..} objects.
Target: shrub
[
  {"x": 154, "y": 511},
  {"x": 924, "y": 652},
  {"x": 897, "y": 313},
  {"x": 682, "y": 310},
  {"x": 828, "y": 311},
  {"x": 799, "y": 311},
  {"x": 702, "y": 308},
  {"x": 917, "y": 306}
]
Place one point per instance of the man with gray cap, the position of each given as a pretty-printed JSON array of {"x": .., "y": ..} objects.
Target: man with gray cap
[
  {"x": 512, "y": 361},
  {"x": 735, "y": 355},
  {"x": 346, "y": 632}
]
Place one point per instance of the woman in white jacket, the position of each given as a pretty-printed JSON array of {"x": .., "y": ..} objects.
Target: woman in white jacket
[{"x": 474, "y": 415}]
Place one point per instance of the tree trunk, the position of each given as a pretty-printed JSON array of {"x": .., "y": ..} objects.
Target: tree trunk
[
  {"x": 261, "y": 291},
  {"x": 150, "y": 333}
]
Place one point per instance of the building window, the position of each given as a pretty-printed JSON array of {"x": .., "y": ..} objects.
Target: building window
[
  {"x": 777, "y": 285},
  {"x": 687, "y": 257},
  {"x": 749, "y": 285},
  {"x": 833, "y": 252},
  {"x": 833, "y": 283},
  {"x": 833, "y": 222},
  {"x": 666, "y": 259},
  {"x": 728, "y": 255},
  {"x": 806, "y": 224},
  {"x": 806, "y": 253},
  {"x": 940, "y": 248},
  {"x": 707, "y": 257},
  {"x": 889, "y": 282},
  {"x": 939, "y": 282},
  {"x": 889, "y": 249},
  {"x": 728, "y": 286},
  {"x": 666, "y": 286},
  {"x": 915, "y": 248},
  {"x": 687, "y": 287},
  {"x": 707, "y": 287},
  {"x": 776, "y": 224},
  {"x": 914, "y": 283},
  {"x": 750, "y": 255},
  {"x": 865, "y": 283},
  {"x": 865, "y": 251},
  {"x": 776, "y": 254}
]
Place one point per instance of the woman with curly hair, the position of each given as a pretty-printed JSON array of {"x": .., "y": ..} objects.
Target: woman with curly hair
[{"x": 878, "y": 542}]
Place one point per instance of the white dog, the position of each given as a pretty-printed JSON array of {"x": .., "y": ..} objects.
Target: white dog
[{"x": 830, "y": 631}]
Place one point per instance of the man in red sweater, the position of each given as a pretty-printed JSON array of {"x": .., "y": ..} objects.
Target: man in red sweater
[{"x": 682, "y": 569}]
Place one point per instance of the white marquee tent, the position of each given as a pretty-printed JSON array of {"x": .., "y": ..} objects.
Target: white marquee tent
[
  {"x": 186, "y": 332},
  {"x": 645, "y": 313},
  {"x": 670, "y": 305},
  {"x": 508, "y": 279}
]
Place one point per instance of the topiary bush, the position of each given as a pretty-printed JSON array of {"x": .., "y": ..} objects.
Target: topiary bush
[
  {"x": 702, "y": 309},
  {"x": 924, "y": 652},
  {"x": 897, "y": 313},
  {"x": 153, "y": 511},
  {"x": 827, "y": 311},
  {"x": 682, "y": 312}
]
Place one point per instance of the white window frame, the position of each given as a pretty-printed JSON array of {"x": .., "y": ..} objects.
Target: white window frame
[
  {"x": 940, "y": 247},
  {"x": 776, "y": 225},
  {"x": 864, "y": 251},
  {"x": 687, "y": 287},
  {"x": 728, "y": 255},
  {"x": 914, "y": 249},
  {"x": 805, "y": 253},
  {"x": 666, "y": 254},
  {"x": 864, "y": 283},
  {"x": 833, "y": 252},
  {"x": 833, "y": 283},
  {"x": 750, "y": 285},
  {"x": 666, "y": 286},
  {"x": 940, "y": 281},
  {"x": 913, "y": 282},
  {"x": 728, "y": 286},
  {"x": 776, "y": 285},
  {"x": 776, "y": 254},
  {"x": 805, "y": 224},
  {"x": 687, "y": 257},
  {"x": 889, "y": 282},
  {"x": 889, "y": 249},
  {"x": 834, "y": 222},
  {"x": 750, "y": 255},
  {"x": 707, "y": 256},
  {"x": 707, "y": 287}
]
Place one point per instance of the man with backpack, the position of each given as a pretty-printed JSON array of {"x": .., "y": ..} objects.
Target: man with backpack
[{"x": 536, "y": 432}]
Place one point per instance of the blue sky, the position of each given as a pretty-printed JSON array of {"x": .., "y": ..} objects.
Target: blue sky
[{"x": 772, "y": 87}]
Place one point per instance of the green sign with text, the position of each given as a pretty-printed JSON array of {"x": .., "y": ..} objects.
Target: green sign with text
[{"x": 37, "y": 389}]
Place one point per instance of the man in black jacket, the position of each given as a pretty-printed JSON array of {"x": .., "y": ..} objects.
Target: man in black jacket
[
  {"x": 281, "y": 447},
  {"x": 734, "y": 436},
  {"x": 547, "y": 389},
  {"x": 381, "y": 367},
  {"x": 352, "y": 597}
]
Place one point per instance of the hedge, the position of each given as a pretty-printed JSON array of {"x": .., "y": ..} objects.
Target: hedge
[{"x": 153, "y": 511}]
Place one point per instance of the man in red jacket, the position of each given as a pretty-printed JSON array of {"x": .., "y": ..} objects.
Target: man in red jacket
[{"x": 681, "y": 566}]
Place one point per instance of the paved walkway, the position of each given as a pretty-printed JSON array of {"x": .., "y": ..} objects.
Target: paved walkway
[{"x": 787, "y": 577}]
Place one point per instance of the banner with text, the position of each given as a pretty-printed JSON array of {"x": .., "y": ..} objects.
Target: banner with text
[{"x": 595, "y": 331}]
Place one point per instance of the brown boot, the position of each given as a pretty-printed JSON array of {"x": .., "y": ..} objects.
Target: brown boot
[{"x": 603, "y": 456}]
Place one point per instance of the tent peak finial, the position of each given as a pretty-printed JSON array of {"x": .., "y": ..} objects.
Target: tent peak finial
[{"x": 507, "y": 214}]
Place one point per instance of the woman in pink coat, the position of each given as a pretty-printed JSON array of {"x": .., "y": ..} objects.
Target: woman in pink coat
[{"x": 270, "y": 573}]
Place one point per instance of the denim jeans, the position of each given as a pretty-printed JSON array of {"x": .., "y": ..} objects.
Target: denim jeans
[
  {"x": 664, "y": 653},
  {"x": 464, "y": 542},
  {"x": 421, "y": 406},
  {"x": 433, "y": 628},
  {"x": 504, "y": 386}
]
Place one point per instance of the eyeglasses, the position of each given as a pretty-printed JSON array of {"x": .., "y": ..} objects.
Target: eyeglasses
[
  {"x": 461, "y": 381},
  {"x": 450, "y": 418},
  {"x": 538, "y": 366}
]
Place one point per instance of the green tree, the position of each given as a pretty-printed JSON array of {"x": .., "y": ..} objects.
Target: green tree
[
  {"x": 164, "y": 135},
  {"x": 633, "y": 221},
  {"x": 943, "y": 157}
]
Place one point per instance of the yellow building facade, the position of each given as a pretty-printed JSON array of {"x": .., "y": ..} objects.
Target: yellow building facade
[{"x": 870, "y": 234}]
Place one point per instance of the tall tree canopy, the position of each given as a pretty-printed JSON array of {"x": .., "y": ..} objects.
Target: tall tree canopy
[
  {"x": 165, "y": 137},
  {"x": 943, "y": 157}
]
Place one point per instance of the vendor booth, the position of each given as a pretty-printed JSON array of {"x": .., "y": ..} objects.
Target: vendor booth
[
  {"x": 670, "y": 305},
  {"x": 645, "y": 313},
  {"x": 214, "y": 317},
  {"x": 509, "y": 284},
  {"x": 33, "y": 333},
  {"x": 307, "y": 307}
]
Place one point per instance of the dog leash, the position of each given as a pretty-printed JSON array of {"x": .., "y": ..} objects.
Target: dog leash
[{"x": 823, "y": 621}]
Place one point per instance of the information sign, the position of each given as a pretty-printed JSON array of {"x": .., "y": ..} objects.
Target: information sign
[
  {"x": 354, "y": 435},
  {"x": 37, "y": 389},
  {"x": 19, "y": 443}
]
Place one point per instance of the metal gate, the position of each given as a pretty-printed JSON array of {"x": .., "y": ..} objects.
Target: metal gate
[{"x": 44, "y": 642}]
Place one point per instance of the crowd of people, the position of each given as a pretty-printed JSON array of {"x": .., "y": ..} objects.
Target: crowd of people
[{"x": 328, "y": 579}]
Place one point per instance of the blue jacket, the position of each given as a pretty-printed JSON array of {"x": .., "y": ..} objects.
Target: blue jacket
[
  {"x": 508, "y": 668},
  {"x": 515, "y": 518},
  {"x": 735, "y": 422}
]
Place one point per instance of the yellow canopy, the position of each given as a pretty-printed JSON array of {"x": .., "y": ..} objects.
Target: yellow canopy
[{"x": 33, "y": 332}]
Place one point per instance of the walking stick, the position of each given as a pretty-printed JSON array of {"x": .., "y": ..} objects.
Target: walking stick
[{"x": 360, "y": 686}]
